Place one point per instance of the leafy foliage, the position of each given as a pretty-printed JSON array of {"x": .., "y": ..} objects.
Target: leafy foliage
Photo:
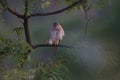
[
  {"x": 38, "y": 5},
  {"x": 86, "y": 5},
  {"x": 19, "y": 48},
  {"x": 16, "y": 47},
  {"x": 2, "y": 2},
  {"x": 19, "y": 31},
  {"x": 3, "y": 5},
  {"x": 15, "y": 75},
  {"x": 54, "y": 71}
]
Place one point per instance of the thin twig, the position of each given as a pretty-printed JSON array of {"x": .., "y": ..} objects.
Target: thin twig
[
  {"x": 26, "y": 7},
  {"x": 12, "y": 11},
  {"x": 20, "y": 20},
  {"x": 56, "y": 12}
]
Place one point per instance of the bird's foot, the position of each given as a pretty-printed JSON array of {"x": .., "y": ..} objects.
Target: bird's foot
[
  {"x": 55, "y": 45},
  {"x": 47, "y": 42}
]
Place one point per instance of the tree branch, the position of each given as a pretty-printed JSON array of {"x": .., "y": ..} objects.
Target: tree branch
[
  {"x": 27, "y": 32},
  {"x": 15, "y": 13},
  {"x": 26, "y": 7},
  {"x": 4, "y": 4},
  {"x": 46, "y": 45},
  {"x": 56, "y": 12}
]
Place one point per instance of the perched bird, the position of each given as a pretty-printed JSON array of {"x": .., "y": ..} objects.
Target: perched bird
[{"x": 56, "y": 34}]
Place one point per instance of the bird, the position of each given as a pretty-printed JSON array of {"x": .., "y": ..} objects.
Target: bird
[{"x": 56, "y": 33}]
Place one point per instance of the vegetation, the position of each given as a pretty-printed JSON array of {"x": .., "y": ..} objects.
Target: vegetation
[{"x": 20, "y": 49}]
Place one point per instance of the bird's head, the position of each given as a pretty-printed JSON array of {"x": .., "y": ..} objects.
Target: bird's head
[{"x": 56, "y": 25}]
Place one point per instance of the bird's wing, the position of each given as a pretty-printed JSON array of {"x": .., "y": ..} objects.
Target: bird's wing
[
  {"x": 63, "y": 33},
  {"x": 59, "y": 35},
  {"x": 62, "y": 30}
]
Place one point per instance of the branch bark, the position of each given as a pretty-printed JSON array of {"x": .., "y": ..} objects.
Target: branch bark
[
  {"x": 56, "y": 12},
  {"x": 4, "y": 4},
  {"x": 46, "y": 45},
  {"x": 27, "y": 32},
  {"x": 15, "y": 13}
]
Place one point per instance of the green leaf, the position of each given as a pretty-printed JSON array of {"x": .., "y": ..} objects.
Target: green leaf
[
  {"x": 18, "y": 30},
  {"x": 100, "y": 4}
]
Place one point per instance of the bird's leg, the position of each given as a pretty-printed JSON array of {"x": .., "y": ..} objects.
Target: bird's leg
[{"x": 56, "y": 42}]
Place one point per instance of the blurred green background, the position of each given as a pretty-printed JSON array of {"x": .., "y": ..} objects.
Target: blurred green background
[{"x": 96, "y": 58}]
